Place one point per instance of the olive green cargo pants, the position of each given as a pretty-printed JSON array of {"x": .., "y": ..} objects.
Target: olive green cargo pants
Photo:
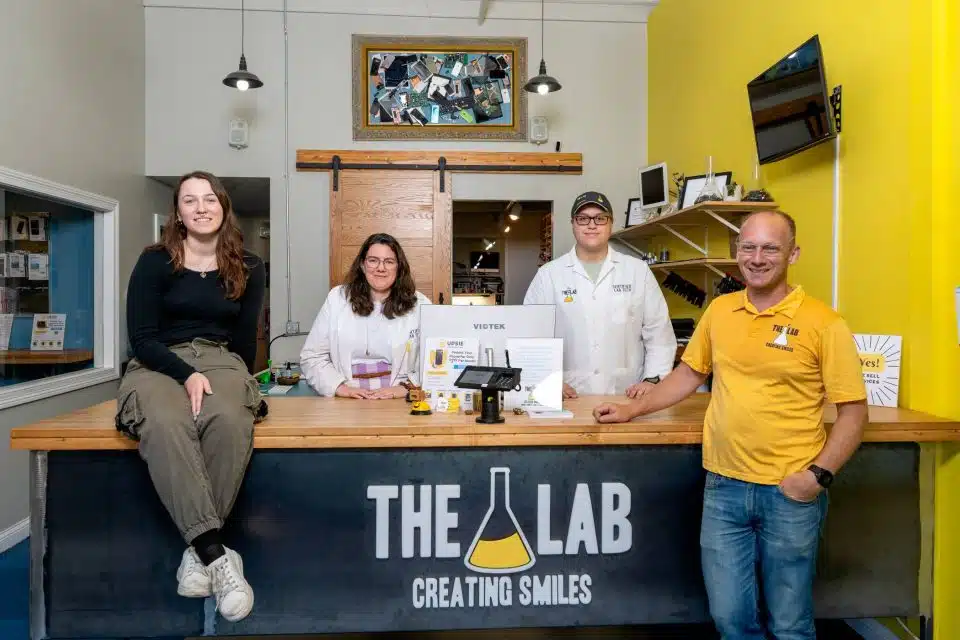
[{"x": 197, "y": 466}]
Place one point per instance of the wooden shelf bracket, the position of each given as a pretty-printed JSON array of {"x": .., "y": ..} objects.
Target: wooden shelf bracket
[
  {"x": 723, "y": 221},
  {"x": 690, "y": 242}
]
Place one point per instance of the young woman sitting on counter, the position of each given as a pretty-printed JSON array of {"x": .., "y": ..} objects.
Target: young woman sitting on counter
[{"x": 364, "y": 342}]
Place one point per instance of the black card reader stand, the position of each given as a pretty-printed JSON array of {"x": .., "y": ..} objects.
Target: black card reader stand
[
  {"x": 490, "y": 408},
  {"x": 490, "y": 381}
]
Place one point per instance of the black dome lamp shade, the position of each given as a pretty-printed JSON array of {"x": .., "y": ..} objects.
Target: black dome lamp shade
[
  {"x": 542, "y": 83},
  {"x": 241, "y": 78}
]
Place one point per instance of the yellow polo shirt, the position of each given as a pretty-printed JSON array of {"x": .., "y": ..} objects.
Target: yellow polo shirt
[{"x": 772, "y": 373}]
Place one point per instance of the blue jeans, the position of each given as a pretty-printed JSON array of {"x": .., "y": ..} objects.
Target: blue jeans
[{"x": 756, "y": 542}]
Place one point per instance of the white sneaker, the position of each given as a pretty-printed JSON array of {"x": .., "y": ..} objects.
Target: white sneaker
[
  {"x": 193, "y": 579},
  {"x": 233, "y": 592}
]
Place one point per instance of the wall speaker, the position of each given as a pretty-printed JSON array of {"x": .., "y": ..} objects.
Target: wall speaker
[
  {"x": 539, "y": 132},
  {"x": 239, "y": 135}
]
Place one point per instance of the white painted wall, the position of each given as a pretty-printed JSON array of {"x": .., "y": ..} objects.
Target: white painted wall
[
  {"x": 72, "y": 111},
  {"x": 596, "y": 50},
  {"x": 522, "y": 255}
]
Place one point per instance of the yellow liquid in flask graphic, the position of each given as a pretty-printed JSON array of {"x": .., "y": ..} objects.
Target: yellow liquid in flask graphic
[{"x": 499, "y": 546}]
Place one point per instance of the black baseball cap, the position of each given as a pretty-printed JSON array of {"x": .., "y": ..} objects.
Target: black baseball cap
[{"x": 591, "y": 197}]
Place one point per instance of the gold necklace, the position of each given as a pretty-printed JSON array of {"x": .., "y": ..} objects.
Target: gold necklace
[{"x": 203, "y": 272}]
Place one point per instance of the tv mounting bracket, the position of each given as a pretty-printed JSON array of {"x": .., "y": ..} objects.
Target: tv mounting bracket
[{"x": 835, "y": 103}]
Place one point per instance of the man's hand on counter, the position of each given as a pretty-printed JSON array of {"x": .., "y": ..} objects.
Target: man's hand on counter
[
  {"x": 568, "y": 392},
  {"x": 679, "y": 383},
  {"x": 609, "y": 412}
]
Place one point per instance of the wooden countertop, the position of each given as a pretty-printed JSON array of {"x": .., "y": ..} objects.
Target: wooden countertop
[{"x": 331, "y": 423}]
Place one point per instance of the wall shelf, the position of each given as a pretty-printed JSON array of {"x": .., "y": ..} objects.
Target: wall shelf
[
  {"x": 692, "y": 226},
  {"x": 710, "y": 264},
  {"x": 724, "y": 213},
  {"x": 26, "y": 356}
]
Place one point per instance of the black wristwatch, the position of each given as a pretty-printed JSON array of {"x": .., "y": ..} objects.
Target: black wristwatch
[
  {"x": 824, "y": 477},
  {"x": 653, "y": 380}
]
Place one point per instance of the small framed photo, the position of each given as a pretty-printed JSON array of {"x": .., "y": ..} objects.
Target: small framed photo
[
  {"x": 636, "y": 214},
  {"x": 693, "y": 185}
]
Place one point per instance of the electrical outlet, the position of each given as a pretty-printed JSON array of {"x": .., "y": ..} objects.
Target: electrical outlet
[{"x": 293, "y": 327}]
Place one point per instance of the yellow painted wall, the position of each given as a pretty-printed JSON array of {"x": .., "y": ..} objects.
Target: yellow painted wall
[
  {"x": 944, "y": 372},
  {"x": 899, "y": 64}
]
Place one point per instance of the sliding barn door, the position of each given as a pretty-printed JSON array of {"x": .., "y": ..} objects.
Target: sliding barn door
[{"x": 406, "y": 204}]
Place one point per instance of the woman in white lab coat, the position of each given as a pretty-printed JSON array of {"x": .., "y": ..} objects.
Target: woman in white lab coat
[{"x": 364, "y": 341}]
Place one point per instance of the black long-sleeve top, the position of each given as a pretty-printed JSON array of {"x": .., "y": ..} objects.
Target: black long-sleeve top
[{"x": 165, "y": 307}]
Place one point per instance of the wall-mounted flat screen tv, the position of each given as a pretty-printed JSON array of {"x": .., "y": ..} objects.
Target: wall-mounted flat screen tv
[{"x": 790, "y": 104}]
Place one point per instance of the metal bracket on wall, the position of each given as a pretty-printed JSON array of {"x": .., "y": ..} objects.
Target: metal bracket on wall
[
  {"x": 835, "y": 103},
  {"x": 441, "y": 166},
  {"x": 336, "y": 173}
]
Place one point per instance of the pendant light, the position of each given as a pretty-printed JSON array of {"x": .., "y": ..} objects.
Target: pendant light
[
  {"x": 542, "y": 83},
  {"x": 241, "y": 78}
]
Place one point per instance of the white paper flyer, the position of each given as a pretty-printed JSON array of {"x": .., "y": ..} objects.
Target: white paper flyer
[
  {"x": 540, "y": 361},
  {"x": 48, "y": 331},
  {"x": 6, "y": 328}
]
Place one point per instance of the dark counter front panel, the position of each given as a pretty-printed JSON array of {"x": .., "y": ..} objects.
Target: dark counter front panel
[{"x": 375, "y": 540}]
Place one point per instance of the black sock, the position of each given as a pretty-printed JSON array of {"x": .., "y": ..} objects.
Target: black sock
[{"x": 208, "y": 546}]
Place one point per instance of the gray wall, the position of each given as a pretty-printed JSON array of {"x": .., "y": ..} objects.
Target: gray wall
[
  {"x": 598, "y": 51},
  {"x": 522, "y": 256},
  {"x": 73, "y": 112}
]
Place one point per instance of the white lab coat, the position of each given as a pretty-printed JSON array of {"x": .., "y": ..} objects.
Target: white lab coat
[
  {"x": 327, "y": 354},
  {"x": 615, "y": 332}
]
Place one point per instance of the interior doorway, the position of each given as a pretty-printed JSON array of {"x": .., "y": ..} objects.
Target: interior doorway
[{"x": 498, "y": 245}]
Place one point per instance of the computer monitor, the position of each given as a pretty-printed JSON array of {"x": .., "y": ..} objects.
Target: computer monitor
[{"x": 654, "y": 190}]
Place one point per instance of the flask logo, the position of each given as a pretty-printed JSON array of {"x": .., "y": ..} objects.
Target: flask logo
[
  {"x": 499, "y": 546},
  {"x": 782, "y": 338}
]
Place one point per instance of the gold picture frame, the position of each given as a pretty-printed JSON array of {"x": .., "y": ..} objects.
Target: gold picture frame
[{"x": 439, "y": 88}]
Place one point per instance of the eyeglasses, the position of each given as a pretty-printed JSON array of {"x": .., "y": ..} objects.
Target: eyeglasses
[
  {"x": 769, "y": 250},
  {"x": 600, "y": 220},
  {"x": 374, "y": 262}
]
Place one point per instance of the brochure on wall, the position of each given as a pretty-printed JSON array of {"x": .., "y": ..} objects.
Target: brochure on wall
[
  {"x": 541, "y": 377},
  {"x": 16, "y": 265},
  {"x": 6, "y": 328},
  {"x": 48, "y": 331},
  {"x": 37, "y": 227},
  {"x": 443, "y": 361},
  {"x": 880, "y": 360},
  {"x": 19, "y": 228},
  {"x": 38, "y": 266}
]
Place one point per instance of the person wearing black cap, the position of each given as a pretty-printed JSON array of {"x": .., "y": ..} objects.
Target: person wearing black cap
[{"x": 611, "y": 313}]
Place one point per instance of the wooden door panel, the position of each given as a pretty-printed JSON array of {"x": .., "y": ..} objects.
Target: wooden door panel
[
  {"x": 421, "y": 263},
  {"x": 406, "y": 204},
  {"x": 374, "y": 201}
]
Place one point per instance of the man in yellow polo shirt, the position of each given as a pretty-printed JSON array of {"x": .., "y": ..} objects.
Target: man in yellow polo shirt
[{"x": 776, "y": 355}]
